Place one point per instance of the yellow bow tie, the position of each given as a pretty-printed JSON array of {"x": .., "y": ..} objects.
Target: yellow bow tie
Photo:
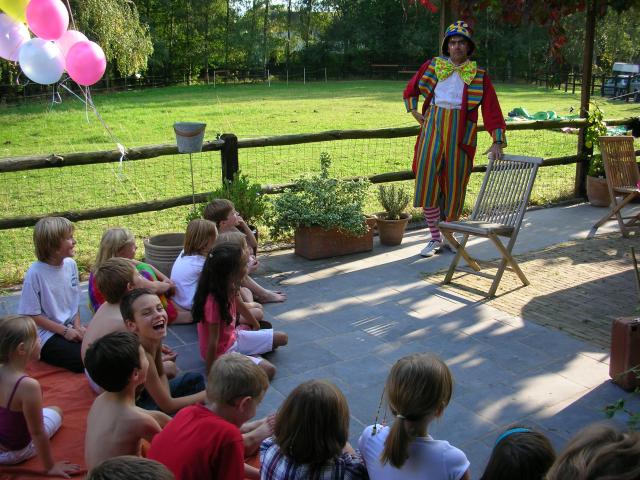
[{"x": 444, "y": 69}]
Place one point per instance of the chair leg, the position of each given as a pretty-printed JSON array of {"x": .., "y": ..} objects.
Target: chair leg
[
  {"x": 460, "y": 248},
  {"x": 508, "y": 258},
  {"x": 459, "y": 252}
]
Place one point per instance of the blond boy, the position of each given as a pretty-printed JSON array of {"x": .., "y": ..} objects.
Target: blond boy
[
  {"x": 205, "y": 441},
  {"x": 115, "y": 426},
  {"x": 51, "y": 293}
]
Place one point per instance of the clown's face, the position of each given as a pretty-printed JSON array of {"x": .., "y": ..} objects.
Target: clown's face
[{"x": 458, "y": 49}]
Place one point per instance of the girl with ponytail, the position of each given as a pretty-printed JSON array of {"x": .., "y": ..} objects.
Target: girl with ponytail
[{"x": 418, "y": 390}]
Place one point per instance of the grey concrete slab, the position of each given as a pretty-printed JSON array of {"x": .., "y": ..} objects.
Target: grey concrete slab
[{"x": 350, "y": 318}]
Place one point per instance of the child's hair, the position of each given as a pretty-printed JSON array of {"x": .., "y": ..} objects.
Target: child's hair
[
  {"x": 233, "y": 237},
  {"x": 198, "y": 236},
  {"x": 113, "y": 278},
  {"x": 47, "y": 235},
  {"x": 520, "y": 453},
  {"x": 221, "y": 276},
  {"x": 218, "y": 210},
  {"x": 419, "y": 387},
  {"x": 111, "y": 242},
  {"x": 234, "y": 376},
  {"x": 305, "y": 436},
  {"x": 127, "y": 467},
  {"x": 599, "y": 452},
  {"x": 111, "y": 359},
  {"x": 14, "y": 330},
  {"x": 127, "y": 301}
]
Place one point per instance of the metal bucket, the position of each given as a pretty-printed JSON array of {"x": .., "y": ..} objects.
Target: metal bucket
[{"x": 189, "y": 136}]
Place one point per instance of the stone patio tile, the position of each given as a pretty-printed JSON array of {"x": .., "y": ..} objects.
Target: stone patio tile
[
  {"x": 270, "y": 403},
  {"x": 460, "y": 425},
  {"x": 188, "y": 357},
  {"x": 350, "y": 345},
  {"x": 553, "y": 340},
  {"x": 365, "y": 372},
  {"x": 299, "y": 358},
  {"x": 188, "y": 334},
  {"x": 545, "y": 390},
  {"x": 172, "y": 339},
  {"x": 430, "y": 300},
  {"x": 304, "y": 331},
  {"x": 284, "y": 384},
  {"x": 391, "y": 351},
  {"x": 521, "y": 359},
  {"x": 497, "y": 404},
  {"x": 454, "y": 345},
  {"x": 355, "y": 430},
  {"x": 609, "y": 393},
  {"x": 346, "y": 319},
  {"x": 581, "y": 369}
]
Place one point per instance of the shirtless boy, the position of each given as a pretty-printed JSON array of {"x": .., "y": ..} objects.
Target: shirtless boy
[
  {"x": 115, "y": 426},
  {"x": 114, "y": 278}
]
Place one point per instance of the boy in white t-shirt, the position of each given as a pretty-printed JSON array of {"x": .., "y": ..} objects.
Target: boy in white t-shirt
[{"x": 51, "y": 293}]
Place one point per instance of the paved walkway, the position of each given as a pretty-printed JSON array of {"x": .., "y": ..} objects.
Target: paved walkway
[{"x": 350, "y": 318}]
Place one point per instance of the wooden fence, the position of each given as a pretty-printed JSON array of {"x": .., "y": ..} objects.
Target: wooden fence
[{"x": 228, "y": 145}]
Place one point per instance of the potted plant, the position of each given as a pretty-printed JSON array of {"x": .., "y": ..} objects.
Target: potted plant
[
  {"x": 393, "y": 221},
  {"x": 324, "y": 214},
  {"x": 597, "y": 189}
]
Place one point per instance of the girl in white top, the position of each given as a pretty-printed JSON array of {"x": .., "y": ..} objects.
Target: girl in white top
[
  {"x": 418, "y": 390},
  {"x": 198, "y": 241}
]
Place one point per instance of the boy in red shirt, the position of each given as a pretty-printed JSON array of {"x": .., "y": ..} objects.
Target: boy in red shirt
[{"x": 204, "y": 441}]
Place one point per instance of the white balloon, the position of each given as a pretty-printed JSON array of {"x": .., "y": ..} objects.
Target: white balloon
[
  {"x": 41, "y": 61},
  {"x": 12, "y": 35}
]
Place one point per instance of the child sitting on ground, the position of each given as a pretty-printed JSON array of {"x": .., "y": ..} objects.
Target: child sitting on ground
[
  {"x": 198, "y": 240},
  {"x": 599, "y": 452},
  {"x": 115, "y": 426},
  {"x": 215, "y": 308},
  {"x": 25, "y": 427},
  {"x": 520, "y": 453},
  {"x": 128, "y": 467},
  {"x": 204, "y": 441},
  {"x": 120, "y": 242},
  {"x": 114, "y": 278},
  {"x": 256, "y": 309},
  {"x": 418, "y": 390},
  {"x": 223, "y": 213},
  {"x": 145, "y": 316},
  {"x": 307, "y": 444},
  {"x": 51, "y": 293}
]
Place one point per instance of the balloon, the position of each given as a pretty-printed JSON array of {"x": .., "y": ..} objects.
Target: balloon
[
  {"x": 48, "y": 19},
  {"x": 68, "y": 40},
  {"x": 86, "y": 63},
  {"x": 12, "y": 35},
  {"x": 41, "y": 61},
  {"x": 16, "y": 9}
]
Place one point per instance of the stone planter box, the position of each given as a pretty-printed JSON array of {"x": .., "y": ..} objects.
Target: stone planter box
[
  {"x": 598, "y": 191},
  {"x": 314, "y": 243}
]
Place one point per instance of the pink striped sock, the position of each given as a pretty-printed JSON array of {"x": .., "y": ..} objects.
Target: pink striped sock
[{"x": 432, "y": 217}]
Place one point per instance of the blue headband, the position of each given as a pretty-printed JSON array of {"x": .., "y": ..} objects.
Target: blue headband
[{"x": 510, "y": 431}]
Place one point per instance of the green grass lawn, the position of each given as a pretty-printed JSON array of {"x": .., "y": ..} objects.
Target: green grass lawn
[{"x": 146, "y": 117}]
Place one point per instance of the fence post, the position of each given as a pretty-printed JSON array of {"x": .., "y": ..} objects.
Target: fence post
[
  {"x": 573, "y": 86},
  {"x": 229, "y": 156},
  {"x": 304, "y": 76},
  {"x": 287, "y": 77},
  {"x": 325, "y": 75}
]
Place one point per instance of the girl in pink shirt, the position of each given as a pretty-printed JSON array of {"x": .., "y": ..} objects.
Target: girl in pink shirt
[{"x": 216, "y": 306}]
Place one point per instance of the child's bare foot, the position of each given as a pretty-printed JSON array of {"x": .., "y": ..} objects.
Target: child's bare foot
[
  {"x": 271, "y": 296},
  {"x": 253, "y": 433}
]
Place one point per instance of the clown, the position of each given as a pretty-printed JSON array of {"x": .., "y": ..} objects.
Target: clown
[{"x": 454, "y": 87}]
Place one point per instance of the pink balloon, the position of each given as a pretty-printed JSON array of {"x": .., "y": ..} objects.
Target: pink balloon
[
  {"x": 48, "y": 19},
  {"x": 12, "y": 35},
  {"x": 69, "y": 39},
  {"x": 86, "y": 63}
]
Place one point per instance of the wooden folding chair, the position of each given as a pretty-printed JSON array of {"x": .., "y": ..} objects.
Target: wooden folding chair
[
  {"x": 623, "y": 175},
  {"x": 502, "y": 201}
]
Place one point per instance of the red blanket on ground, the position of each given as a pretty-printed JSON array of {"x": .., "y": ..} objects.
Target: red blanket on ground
[{"x": 70, "y": 392}]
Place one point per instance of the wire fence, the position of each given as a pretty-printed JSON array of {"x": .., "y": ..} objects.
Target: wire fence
[{"x": 101, "y": 185}]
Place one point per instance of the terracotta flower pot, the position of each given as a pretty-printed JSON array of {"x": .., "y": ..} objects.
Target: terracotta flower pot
[
  {"x": 313, "y": 243},
  {"x": 391, "y": 231},
  {"x": 598, "y": 191}
]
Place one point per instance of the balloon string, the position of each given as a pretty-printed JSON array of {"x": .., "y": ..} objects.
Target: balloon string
[{"x": 73, "y": 22}]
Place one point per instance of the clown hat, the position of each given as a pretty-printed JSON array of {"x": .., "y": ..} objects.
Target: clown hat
[{"x": 457, "y": 28}]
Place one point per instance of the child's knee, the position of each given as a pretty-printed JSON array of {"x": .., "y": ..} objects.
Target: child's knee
[
  {"x": 257, "y": 313},
  {"x": 268, "y": 368}
]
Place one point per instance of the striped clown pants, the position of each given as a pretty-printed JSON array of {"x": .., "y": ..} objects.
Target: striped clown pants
[{"x": 442, "y": 166}]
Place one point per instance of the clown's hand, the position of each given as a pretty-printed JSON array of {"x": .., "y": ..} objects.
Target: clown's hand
[
  {"x": 418, "y": 116},
  {"x": 495, "y": 151}
]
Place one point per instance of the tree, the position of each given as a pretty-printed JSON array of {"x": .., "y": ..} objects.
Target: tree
[{"x": 115, "y": 25}]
